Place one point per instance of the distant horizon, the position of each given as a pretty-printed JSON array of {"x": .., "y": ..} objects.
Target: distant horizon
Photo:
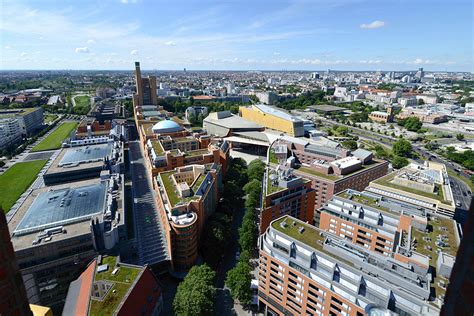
[
  {"x": 237, "y": 70},
  {"x": 237, "y": 35}
]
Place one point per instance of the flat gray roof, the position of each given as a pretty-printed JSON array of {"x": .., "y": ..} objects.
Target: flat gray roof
[
  {"x": 327, "y": 108},
  {"x": 61, "y": 206},
  {"x": 83, "y": 154}
]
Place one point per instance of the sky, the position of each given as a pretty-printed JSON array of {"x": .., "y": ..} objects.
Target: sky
[{"x": 237, "y": 34}]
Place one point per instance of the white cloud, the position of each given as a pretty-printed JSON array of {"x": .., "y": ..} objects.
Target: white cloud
[
  {"x": 23, "y": 54},
  {"x": 8, "y": 47},
  {"x": 128, "y": 1},
  {"x": 90, "y": 41},
  {"x": 134, "y": 52},
  {"x": 370, "y": 61},
  {"x": 170, "y": 43},
  {"x": 276, "y": 54},
  {"x": 83, "y": 50},
  {"x": 373, "y": 25}
]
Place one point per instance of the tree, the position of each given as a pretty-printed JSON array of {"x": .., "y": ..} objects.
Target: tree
[
  {"x": 412, "y": 124},
  {"x": 399, "y": 162},
  {"x": 349, "y": 144},
  {"x": 460, "y": 137},
  {"x": 402, "y": 148},
  {"x": 238, "y": 280},
  {"x": 195, "y": 295},
  {"x": 255, "y": 170},
  {"x": 252, "y": 189},
  {"x": 421, "y": 101}
]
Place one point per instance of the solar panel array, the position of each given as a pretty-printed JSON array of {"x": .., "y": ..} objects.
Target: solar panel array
[
  {"x": 78, "y": 155},
  {"x": 63, "y": 206}
]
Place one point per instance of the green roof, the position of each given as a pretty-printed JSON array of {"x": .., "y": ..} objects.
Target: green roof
[
  {"x": 157, "y": 147},
  {"x": 435, "y": 224},
  {"x": 309, "y": 170},
  {"x": 363, "y": 199},
  {"x": 197, "y": 152},
  {"x": 122, "y": 282},
  {"x": 386, "y": 181},
  {"x": 310, "y": 236},
  {"x": 171, "y": 191}
]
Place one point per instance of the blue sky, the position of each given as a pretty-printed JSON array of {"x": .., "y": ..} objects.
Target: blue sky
[{"x": 237, "y": 34}]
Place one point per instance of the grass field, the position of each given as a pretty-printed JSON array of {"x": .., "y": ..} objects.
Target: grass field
[
  {"x": 16, "y": 180},
  {"x": 82, "y": 100},
  {"x": 50, "y": 118},
  {"x": 55, "y": 139}
]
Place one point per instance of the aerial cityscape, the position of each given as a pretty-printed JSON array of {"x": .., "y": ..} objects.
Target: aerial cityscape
[{"x": 236, "y": 158}]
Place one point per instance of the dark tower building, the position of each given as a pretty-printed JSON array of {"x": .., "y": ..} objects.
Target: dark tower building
[
  {"x": 145, "y": 88},
  {"x": 13, "y": 300},
  {"x": 459, "y": 298}
]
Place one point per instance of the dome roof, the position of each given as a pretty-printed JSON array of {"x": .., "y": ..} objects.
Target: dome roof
[{"x": 166, "y": 126}]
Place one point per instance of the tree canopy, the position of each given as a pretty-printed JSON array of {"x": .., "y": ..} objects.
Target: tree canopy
[
  {"x": 402, "y": 148},
  {"x": 195, "y": 295}
]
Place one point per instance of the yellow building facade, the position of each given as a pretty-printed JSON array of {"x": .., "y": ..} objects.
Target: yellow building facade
[{"x": 273, "y": 118}]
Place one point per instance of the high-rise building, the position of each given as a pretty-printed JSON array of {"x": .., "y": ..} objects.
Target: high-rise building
[
  {"x": 398, "y": 230},
  {"x": 13, "y": 299},
  {"x": 10, "y": 131},
  {"x": 284, "y": 193},
  {"x": 145, "y": 89},
  {"x": 29, "y": 119},
  {"x": 459, "y": 295},
  {"x": 59, "y": 228},
  {"x": 307, "y": 271}
]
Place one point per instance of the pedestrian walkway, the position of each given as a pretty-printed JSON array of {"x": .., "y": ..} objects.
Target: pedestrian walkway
[{"x": 152, "y": 244}]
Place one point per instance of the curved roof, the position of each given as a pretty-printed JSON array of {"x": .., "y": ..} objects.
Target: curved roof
[{"x": 166, "y": 126}]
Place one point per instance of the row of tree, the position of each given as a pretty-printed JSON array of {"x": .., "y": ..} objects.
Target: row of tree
[
  {"x": 239, "y": 278},
  {"x": 196, "y": 294}
]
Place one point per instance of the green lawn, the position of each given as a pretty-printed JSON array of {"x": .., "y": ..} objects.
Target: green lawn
[
  {"x": 55, "y": 139},
  {"x": 49, "y": 118},
  {"x": 82, "y": 100},
  {"x": 16, "y": 180}
]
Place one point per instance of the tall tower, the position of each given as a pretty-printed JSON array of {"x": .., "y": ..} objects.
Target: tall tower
[
  {"x": 146, "y": 89},
  {"x": 13, "y": 299},
  {"x": 138, "y": 84}
]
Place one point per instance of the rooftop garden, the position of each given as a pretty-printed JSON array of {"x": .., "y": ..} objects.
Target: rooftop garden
[
  {"x": 309, "y": 236},
  {"x": 157, "y": 147},
  {"x": 171, "y": 191},
  {"x": 271, "y": 188},
  {"x": 122, "y": 281}
]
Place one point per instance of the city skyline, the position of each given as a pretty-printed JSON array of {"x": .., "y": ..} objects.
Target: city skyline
[{"x": 286, "y": 35}]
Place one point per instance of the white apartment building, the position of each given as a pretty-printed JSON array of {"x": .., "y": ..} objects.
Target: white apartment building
[{"x": 10, "y": 131}]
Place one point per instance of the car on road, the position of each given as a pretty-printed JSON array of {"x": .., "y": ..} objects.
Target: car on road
[
  {"x": 237, "y": 255},
  {"x": 458, "y": 204}
]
